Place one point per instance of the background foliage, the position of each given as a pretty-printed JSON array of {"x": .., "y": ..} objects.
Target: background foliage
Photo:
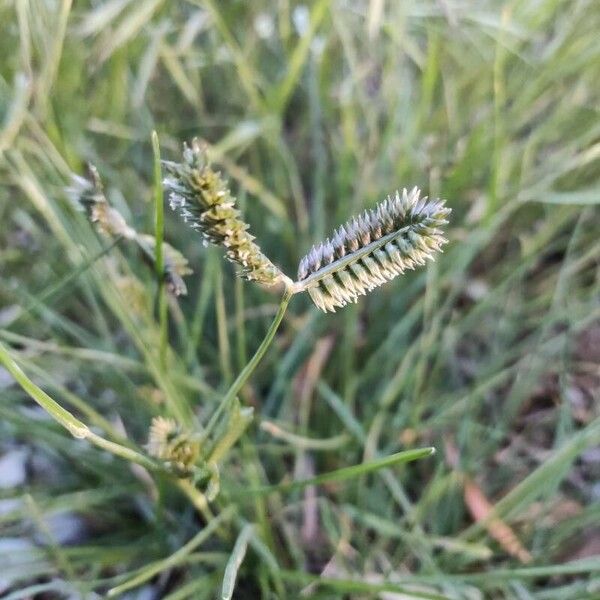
[{"x": 314, "y": 111}]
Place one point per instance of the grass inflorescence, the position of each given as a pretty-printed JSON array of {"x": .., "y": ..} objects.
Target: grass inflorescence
[
  {"x": 401, "y": 233},
  {"x": 234, "y": 441},
  {"x": 202, "y": 197}
]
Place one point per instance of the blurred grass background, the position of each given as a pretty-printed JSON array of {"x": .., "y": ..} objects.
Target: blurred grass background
[{"x": 314, "y": 111}]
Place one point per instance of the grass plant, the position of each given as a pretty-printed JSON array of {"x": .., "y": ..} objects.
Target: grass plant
[{"x": 171, "y": 434}]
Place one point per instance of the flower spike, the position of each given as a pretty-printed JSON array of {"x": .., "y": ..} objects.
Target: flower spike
[
  {"x": 399, "y": 234},
  {"x": 202, "y": 198}
]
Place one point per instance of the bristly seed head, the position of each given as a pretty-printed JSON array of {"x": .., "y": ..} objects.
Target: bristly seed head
[
  {"x": 167, "y": 441},
  {"x": 202, "y": 198},
  {"x": 377, "y": 246},
  {"x": 87, "y": 194}
]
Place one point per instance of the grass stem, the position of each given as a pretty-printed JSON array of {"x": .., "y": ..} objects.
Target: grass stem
[
  {"x": 159, "y": 225},
  {"x": 253, "y": 363},
  {"x": 73, "y": 425}
]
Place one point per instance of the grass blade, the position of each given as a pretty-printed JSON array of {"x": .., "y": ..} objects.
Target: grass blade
[
  {"x": 235, "y": 561},
  {"x": 346, "y": 472},
  {"x": 162, "y": 565},
  {"x": 73, "y": 425}
]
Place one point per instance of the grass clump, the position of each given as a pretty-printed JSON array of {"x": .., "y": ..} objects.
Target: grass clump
[{"x": 235, "y": 441}]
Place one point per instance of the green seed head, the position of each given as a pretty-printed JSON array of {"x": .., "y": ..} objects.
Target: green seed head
[{"x": 203, "y": 199}]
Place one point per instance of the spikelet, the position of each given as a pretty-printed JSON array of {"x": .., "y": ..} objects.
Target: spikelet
[
  {"x": 204, "y": 201},
  {"x": 168, "y": 442},
  {"x": 378, "y": 245},
  {"x": 175, "y": 264},
  {"x": 87, "y": 194}
]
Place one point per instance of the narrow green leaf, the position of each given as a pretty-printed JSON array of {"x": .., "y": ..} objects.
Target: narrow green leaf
[
  {"x": 586, "y": 196},
  {"x": 283, "y": 92},
  {"x": 345, "y": 473},
  {"x": 159, "y": 566},
  {"x": 235, "y": 561},
  {"x": 75, "y": 427}
]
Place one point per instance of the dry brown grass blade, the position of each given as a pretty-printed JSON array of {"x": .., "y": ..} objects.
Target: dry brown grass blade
[
  {"x": 309, "y": 375},
  {"x": 482, "y": 510}
]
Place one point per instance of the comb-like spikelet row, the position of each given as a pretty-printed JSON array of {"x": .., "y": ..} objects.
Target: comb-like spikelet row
[
  {"x": 399, "y": 234},
  {"x": 205, "y": 202}
]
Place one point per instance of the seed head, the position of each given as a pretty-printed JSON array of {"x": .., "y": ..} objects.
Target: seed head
[
  {"x": 202, "y": 198},
  {"x": 399, "y": 234},
  {"x": 87, "y": 194},
  {"x": 168, "y": 442}
]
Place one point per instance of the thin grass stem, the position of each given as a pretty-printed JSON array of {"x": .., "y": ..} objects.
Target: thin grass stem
[
  {"x": 176, "y": 558},
  {"x": 159, "y": 226},
  {"x": 253, "y": 363},
  {"x": 221, "y": 314},
  {"x": 73, "y": 425}
]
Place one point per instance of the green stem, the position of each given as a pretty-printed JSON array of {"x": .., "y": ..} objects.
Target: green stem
[
  {"x": 239, "y": 322},
  {"x": 159, "y": 566},
  {"x": 73, "y": 425},
  {"x": 159, "y": 220},
  {"x": 252, "y": 364},
  {"x": 221, "y": 313}
]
